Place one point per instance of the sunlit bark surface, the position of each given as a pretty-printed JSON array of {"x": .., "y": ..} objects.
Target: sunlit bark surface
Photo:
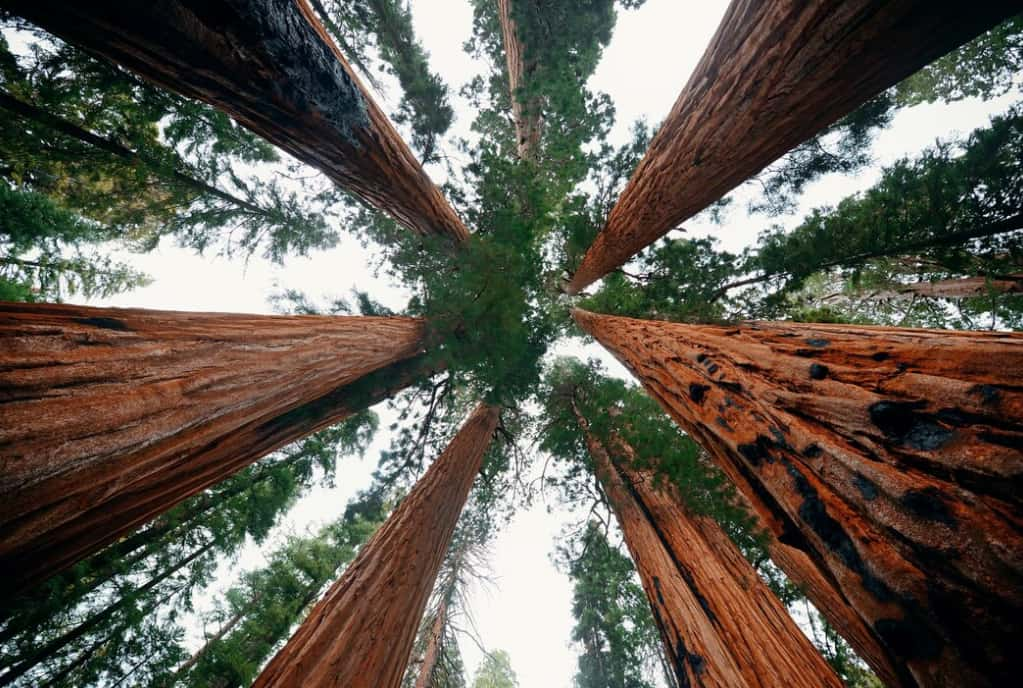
[
  {"x": 775, "y": 73},
  {"x": 110, "y": 416},
  {"x": 891, "y": 457},
  {"x": 270, "y": 65},
  {"x": 361, "y": 633}
]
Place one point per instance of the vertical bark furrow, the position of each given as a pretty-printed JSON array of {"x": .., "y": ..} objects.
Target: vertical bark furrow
[
  {"x": 271, "y": 66},
  {"x": 111, "y": 416},
  {"x": 526, "y": 112},
  {"x": 361, "y": 633},
  {"x": 774, "y": 74},
  {"x": 891, "y": 457}
]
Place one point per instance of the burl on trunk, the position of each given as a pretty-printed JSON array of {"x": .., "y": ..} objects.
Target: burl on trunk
[
  {"x": 891, "y": 457},
  {"x": 109, "y": 416},
  {"x": 775, "y": 73},
  {"x": 270, "y": 65},
  {"x": 361, "y": 633},
  {"x": 720, "y": 624}
]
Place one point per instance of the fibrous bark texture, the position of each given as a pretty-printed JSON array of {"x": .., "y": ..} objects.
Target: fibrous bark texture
[
  {"x": 361, "y": 633},
  {"x": 526, "y": 114},
  {"x": 891, "y": 457},
  {"x": 775, "y": 73},
  {"x": 110, "y": 416},
  {"x": 963, "y": 288},
  {"x": 720, "y": 624},
  {"x": 433, "y": 646},
  {"x": 271, "y": 65}
]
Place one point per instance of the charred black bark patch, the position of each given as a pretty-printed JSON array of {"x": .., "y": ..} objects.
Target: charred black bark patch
[
  {"x": 723, "y": 423},
  {"x": 812, "y": 451},
  {"x": 909, "y": 637},
  {"x": 712, "y": 368},
  {"x": 104, "y": 323},
  {"x": 818, "y": 371},
  {"x": 902, "y": 422},
  {"x": 733, "y": 386},
  {"x": 881, "y": 356},
  {"x": 928, "y": 504},
  {"x": 865, "y": 486},
  {"x": 657, "y": 589},
  {"x": 989, "y": 394},
  {"x": 697, "y": 392},
  {"x": 700, "y": 358},
  {"x": 817, "y": 342},
  {"x": 682, "y": 657},
  {"x": 756, "y": 452}
]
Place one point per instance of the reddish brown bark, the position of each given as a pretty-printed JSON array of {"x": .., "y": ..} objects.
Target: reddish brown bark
[
  {"x": 526, "y": 112},
  {"x": 963, "y": 288},
  {"x": 271, "y": 65},
  {"x": 433, "y": 643},
  {"x": 774, "y": 75},
  {"x": 361, "y": 633},
  {"x": 111, "y": 416},
  {"x": 891, "y": 457},
  {"x": 704, "y": 594}
]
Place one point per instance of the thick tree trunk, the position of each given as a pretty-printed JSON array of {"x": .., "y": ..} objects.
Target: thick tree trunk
[
  {"x": 764, "y": 647},
  {"x": 775, "y": 74},
  {"x": 433, "y": 643},
  {"x": 526, "y": 113},
  {"x": 111, "y": 416},
  {"x": 891, "y": 457},
  {"x": 271, "y": 65},
  {"x": 361, "y": 633}
]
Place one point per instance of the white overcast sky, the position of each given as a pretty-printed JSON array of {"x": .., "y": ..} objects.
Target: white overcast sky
[{"x": 527, "y": 611}]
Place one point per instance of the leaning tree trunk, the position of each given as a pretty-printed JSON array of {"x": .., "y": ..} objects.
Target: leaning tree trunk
[
  {"x": 111, "y": 416},
  {"x": 270, "y": 65},
  {"x": 775, "y": 73},
  {"x": 891, "y": 457},
  {"x": 361, "y": 633},
  {"x": 433, "y": 646},
  {"x": 526, "y": 111},
  {"x": 720, "y": 624},
  {"x": 962, "y": 288}
]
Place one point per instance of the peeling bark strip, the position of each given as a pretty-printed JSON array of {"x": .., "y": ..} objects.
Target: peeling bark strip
[
  {"x": 271, "y": 66},
  {"x": 110, "y": 416},
  {"x": 775, "y": 73},
  {"x": 899, "y": 473},
  {"x": 765, "y": 648},
  {"x": 361, "y": 633},
  {"x": 526, "y": 114}
]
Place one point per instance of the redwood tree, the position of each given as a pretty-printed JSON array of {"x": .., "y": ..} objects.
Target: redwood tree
[
  {"x": 526, "y": 109},
  {"x": 362, "y": 631},
  {"x": 774, "y": 75},
  {"x": 112, "y": 416},
  {"x": 271, "y": 65},
  {"x": 719, "y": 622},
  {"x": 890, "y": 457}
]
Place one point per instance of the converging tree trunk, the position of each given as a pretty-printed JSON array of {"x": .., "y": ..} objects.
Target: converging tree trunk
[
  {"x": 271, "y": 65},
  {"x": 431, "y": 654},
  {"x": 361, "y": 633},
  {"x": 527, "y": 112},
  {"x": 962, "y": 288},
  {"x": 891, "y": 457},
  {"x": 774, "y": 74},
  {"x": 111, "y": 416},
  {"x": 720, "y": 624}
]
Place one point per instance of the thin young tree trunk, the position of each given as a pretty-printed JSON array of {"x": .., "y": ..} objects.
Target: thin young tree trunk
[
  {"x": 526, "y": 113},
  {"x": 361, "y": 633},
  {"x": 226, "y": 628},
  {"x": 112, "y": 416},
  {"x": 890, "y": 456},
  {"x": 270, "y": 65},
  {"x": 775, "y": 74},
  {"x": 433, "y": 643},
  {"x": 753, "y": 627},
  {"x": 51, "y": 648}
]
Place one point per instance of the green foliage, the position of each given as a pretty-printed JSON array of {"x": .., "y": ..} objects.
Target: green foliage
[
  {"x": 495, "y": 672},
  {"x": 613, "y": 624}
]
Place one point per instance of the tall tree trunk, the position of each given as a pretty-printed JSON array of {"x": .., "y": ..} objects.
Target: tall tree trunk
[
  {"x": 51, "y": 648},
  {"x": 271, "y": 65},
  {"x": 361, "y": 633},
  {"x": 433, "y": 646},
  {"x": 774, "y": 74},
  {"x": 890, "y": 456},
  {"x": 962, "y": 288},
  {"x": 526, "y": 113},
  {"x": 226, "y": 628},
  {"x": 701, "y": 588},
  {"x": 112, "y": 416}
]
